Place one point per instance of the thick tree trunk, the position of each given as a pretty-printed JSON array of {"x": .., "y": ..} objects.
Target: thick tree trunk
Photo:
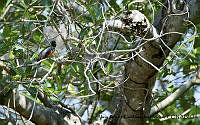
[
  {"x": 37, "y": 113},
  {"x": 133, "y": 98},
  {"x": 140, "y": 73}
]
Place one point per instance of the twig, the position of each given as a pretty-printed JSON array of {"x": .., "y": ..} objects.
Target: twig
[
  {"x": 182, "y": 114},
  {"x": 42, "y": 80},
  {"x": 88, "y": 80},
  {"x": 149, "y": 63},
  {"x": 33, "y": 106},
  {"x": 6, "y": 11}
]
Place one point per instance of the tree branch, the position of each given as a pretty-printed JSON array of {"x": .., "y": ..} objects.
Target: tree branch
[
  {"x": 170, "y": 99},
  {"x": 41, "y": 115},
  {"x": 72, "y": 5},
  {"x": 140, "y": 75}
]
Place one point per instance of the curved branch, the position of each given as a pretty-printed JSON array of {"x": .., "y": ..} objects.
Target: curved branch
[
  {"x": 42, "y": 115},
  {"x": 170, "y": 99}
]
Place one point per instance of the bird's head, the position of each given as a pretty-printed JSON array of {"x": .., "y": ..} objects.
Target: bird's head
[{"x": 53, "y": 43}]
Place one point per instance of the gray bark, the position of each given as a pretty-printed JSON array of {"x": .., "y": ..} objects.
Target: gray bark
[
  {"x": 140, "y": 75},
  {"x": 133, "y": 98},
  {"x": 41, "y": 115}
]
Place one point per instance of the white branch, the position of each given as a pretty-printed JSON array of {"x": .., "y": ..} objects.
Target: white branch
[{"x": 170, "y": 99}]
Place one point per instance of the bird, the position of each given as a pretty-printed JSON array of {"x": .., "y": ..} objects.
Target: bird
[{"x": 48, "y": 51}]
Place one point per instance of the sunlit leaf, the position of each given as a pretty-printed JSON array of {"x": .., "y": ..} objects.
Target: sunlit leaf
[
  {"x": 192, "y": 38},
  {"x": 109, "y": 67}
]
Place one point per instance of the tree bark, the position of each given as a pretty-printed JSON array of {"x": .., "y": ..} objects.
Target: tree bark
[
  {"x": 133, "y": 98},
  {"x": 41, "y": 115},
  {"x": 140, "y": 73}
]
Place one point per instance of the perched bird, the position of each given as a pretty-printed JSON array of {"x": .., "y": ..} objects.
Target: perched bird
[{"x": 47, "y": 51}]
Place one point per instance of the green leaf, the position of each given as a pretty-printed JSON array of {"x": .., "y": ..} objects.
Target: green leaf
[
  {"x": 47, "y": 64},
  {"x": 114, "y": 5},
  {"x": 83, "y": 33},
  {"x": 197, "y": 42},
  {"x": 35, "y": 55},
  {"x": 19, "y": 6},
  {"x": 1, "y": 69},
  {"x": 170, "y": 87},
  {"x": 46, "y": 3},
  {"x": 197, "y": 50},
  {"x": 37, "y": 36},
  {"x": 109, "y": 67},
  {"x": 11, "y": 56},
  {"x": 3, "y": 4},
  {"x": 4, "y": 121},
  {"x": 54, "y": 99},
  {"x": 6, "y": 31},
  {"x": 71, "y": 89},
  {"x": 27, "y": 2},
  {"x": 185, "y": 63},
  {"x": 59, "y": 82},
  {"x": 192, "y": 38}
]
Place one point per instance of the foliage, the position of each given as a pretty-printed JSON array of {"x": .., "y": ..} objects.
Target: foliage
[{"x": 22, "y": 35}]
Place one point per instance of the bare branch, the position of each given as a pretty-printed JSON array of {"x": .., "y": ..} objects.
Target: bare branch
[
  {"x": 6, "y": 11},
  {"x": 170, "y": 99},
  {"x": 41, "y": 115}
]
